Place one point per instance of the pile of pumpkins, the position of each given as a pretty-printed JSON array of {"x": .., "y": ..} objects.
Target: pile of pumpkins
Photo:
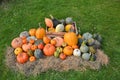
[{"x": 35, "y": 44}]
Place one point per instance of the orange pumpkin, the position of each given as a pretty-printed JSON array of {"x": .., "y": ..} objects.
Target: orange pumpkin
[
  {"x": 33, "y": 47},
  {"x": 32, "y": 31},
  {"x": 24, "y": 40},
  {"x": 40, "y": 33},
  {"x": 68, "y": 50},
  {"x": 48, "y": 22},
  {"x": 46, "y": 39},
  {"x": 49, "y": 49},
  {"x": 75, "y": 46},
  {"x": 53, "y": 42},
  {"x": 16, "y": 42},
  {"x": 26, "y": 47},
  {"x": 22, "y": 57},
  {"x": 59, "y": 41},
  {"x": 62, "y": 56},
  {"x": 32, "y": 58},
  {"x": 32, "y": 41},
  {"x": 71, "y": 38}
]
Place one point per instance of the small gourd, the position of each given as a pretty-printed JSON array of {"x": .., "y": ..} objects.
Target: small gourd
[
  {"x": 24, "y": 34},
  {"x": 55, "y": 21},
  {"x": 68, "y": 20},
  {"x": 84, "y": 48},
  {"x": 48, "y": 22},
  {"x": 86, "y": 56},
  {"x": 38, "y": 53},
  {"x": 92, "y": 49},
  {"x": 59, "y": 28}
]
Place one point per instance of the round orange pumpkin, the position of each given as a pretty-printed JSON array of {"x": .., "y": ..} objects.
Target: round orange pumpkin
[
  {"x": 16, "y": 42},
  {"x": 71, "y": 38},
  {"x": 68, "y": 50},
  {"x": 53, "y": 42},
  {"x": 22, "y": 57},
  {"x": 32, "y": 58},
  {"x": 26, "y": 47},
  {"x": 32, "y": 31},
  {"x": 49, "y": 49},
  {"x": 33, "y": 47},
  {"x": 40, "y": 33},
  {"x": 46, "y": 39}
]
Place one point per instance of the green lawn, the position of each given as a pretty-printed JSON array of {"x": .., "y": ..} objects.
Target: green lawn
[{"x": 104, "y": 15}]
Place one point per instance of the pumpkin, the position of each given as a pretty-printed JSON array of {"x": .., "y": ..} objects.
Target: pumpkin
[
  {"x": 16, "y": 42},
  {"x": 76, "y": 52},
  {"x": 32, "y": 58},
  {"x": 31, "y": 41},
  {"x": 59, "y": 28},
  {"x": 59, "y": 41},
  {"x": 92, "y": 49},
  {"x": 24, "y": 40},
  {"x": 46, "y": 39},
  {"x": 68, "y": 27},
  {"x": 51, "y": 29},
  {"x": 18, "y": 50},
  {"x": 68, "y": 20},
  {"x": 31, "y": 37},
  {"x": 86, "y": 56},
  {"x": 24, "y": 34},
  {"x": 40, "y": 46},
  {"x": 53, "y": 42},
  {"x": 33, "y": 47},
  {"x": 30, "y": 52},
  {"x": 22, "y": 57},
  {"x": 38, "y": 53},
  {"x": 87, "y": 36},
  {"x": 26, "y": 47},
  {"x": 84, "y": 48},
  {"x": 90, "y": 41},
  {"x": 75, "y": 46},
  {"x": 49, "y": 49},
  {"x": 40, "y": 33},
  {"x": 48, "y": 22},
  {"x": 37, "y": 42},
  {"x": 62, "y": 56},
  {"x": 68, "y": 50},
  {"x": 71, "y": 38},
  {"x": 32, "y": 32}
]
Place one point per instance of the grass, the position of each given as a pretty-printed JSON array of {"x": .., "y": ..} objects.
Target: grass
[{"x": 104, "y": 15}]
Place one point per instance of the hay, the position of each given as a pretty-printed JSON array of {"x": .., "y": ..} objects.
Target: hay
[{"x": 42, "y": 65}]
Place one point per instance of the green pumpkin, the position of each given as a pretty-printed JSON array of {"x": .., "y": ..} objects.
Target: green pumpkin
[
  {"x": 38, "y": 53},
  {"x": 84, "y": 48},
  {"x": 37, "y": 42},
  {"x": 87, "y": 36}
]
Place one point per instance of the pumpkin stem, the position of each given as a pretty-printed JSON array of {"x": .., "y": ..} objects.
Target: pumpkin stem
[
  {"x": 51, "y": 16},
  {"x": 39, "y": 24}
]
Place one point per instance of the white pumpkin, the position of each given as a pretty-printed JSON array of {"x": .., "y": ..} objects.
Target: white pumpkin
[
  {"x": 77, "y": 52},
  {"x": 59, "y": 28}
]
